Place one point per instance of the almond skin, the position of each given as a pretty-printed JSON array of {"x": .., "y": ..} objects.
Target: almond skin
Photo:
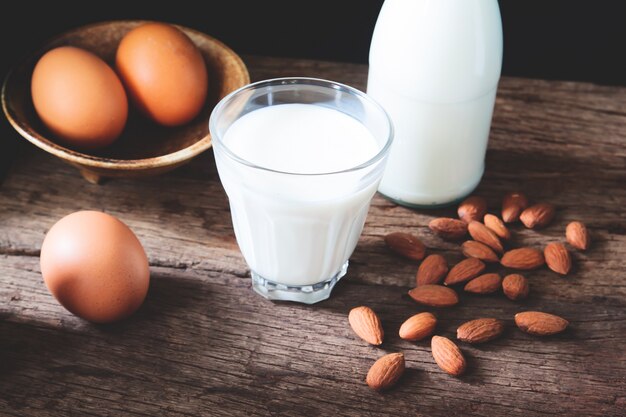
[
  {"x": 515, "y": 287},
  {"x": 496, "y": 225},
  {"x": 432, "y": 270},
  {"x": 464, "y": 271},
  {"x": 483, "y": 234},
  {"x": 366, "y": 325},
  {"x": 480, "y": 330},
  {"x": 538, "y": 215},
  {"x": 418, "y": 327},
  {"x": 484, "y": 284},
  {"x": 406, "y": 245},
  {"x": 577, "y": 235},
  {"x": 473, "y": 249},
  {"x": 558, "y": 258},
  {"x": 472, "y": 208},
  {"x": 540, "y": 324},
  {"x": 512, "y": 206},
  {"x": 447, "y": 355},
  {"x": 434, "y": 295},
  {"x": 448, "y": 228},
  {"x": 385, "y": 372},
  {"x": 523, "y": 258}
]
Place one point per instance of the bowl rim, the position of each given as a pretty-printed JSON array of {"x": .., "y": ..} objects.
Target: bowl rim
[{"x": 94, "y": 161}]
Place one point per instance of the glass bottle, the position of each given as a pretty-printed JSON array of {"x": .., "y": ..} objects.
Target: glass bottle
[{"x": 435, "y": 67}]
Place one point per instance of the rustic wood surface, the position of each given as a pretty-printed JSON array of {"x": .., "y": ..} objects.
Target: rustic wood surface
[{"x": 204, "y": 344}]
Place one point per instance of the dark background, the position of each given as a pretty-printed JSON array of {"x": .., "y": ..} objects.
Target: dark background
[
  {"x": 555, "y": 39},
  {"x": 583, "y": 40}
]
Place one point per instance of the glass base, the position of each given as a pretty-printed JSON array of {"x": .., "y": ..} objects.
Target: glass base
[
  {"x": 452, "y": 202},
  {"x": 425, "y": 206},
  {"x": 307, "y": 294}
]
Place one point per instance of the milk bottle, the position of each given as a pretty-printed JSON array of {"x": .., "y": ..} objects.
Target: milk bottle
[{"x": 435, "y": 66}]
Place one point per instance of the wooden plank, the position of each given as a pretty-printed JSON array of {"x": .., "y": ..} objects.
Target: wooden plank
[{"x": 205, "y": 344}]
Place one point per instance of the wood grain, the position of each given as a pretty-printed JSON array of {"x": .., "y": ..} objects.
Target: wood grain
[{"x": 204, "y": 344}]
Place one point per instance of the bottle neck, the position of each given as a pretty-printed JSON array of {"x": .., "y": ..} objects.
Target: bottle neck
[{"x": 443, "y": 50}]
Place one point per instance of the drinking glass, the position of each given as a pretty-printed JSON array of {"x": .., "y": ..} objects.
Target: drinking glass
[{"x": 296, "y": 231}]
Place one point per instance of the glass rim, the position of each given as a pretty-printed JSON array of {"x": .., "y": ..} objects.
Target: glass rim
[{"x": 300, "y": 81}]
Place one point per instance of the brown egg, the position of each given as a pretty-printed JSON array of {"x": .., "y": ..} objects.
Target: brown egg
[
  {"x": 164, "y": 73},
  {"x": 79, "y": 98},
  {"x": 95, "y": 266}
]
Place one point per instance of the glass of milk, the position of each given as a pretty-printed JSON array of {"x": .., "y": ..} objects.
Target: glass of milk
[{"x": 300, "y": 159}]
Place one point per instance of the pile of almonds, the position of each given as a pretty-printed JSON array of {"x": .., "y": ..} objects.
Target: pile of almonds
[{"x": 487, "y": 246}]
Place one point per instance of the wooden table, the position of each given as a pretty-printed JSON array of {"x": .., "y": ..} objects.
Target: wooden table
[{"x": 204, "y": 344}]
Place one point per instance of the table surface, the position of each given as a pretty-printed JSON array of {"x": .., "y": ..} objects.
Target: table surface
[{"x": 204, "y": 344}]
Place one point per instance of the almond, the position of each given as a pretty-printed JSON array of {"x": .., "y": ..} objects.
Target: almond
[
  {"x": 483, "y": 234},
  {"x": 540, "y": 324},
  {"x": 385, "y": 372},
  {"x": 366, "y": 325},
  {"x": 480, "y": 330},
  {"x": 464, "y": 271},
  {"x": 406, "y": 245},
  {"x": 473, "y": 249},
  {"x": 447, "y": 355},
  {"x": 523, "y": 258},
  {"x": 472, "y": 208},
  {"x": 432, "y": 270},
  {"x": 512, "y": 206},
  {"x": 434, "y": 295},
  {"x": 484, "y": 284},
  {"x": 537, "y": 216},
  {"x": 496, "y": 225},
  {"x": 515, "y": 287},
  {"x": 447, "y": 228},
  {"x": 558, "y": 258},
  {"x": 418, "y": 327},
  {"x": 577, "y": 235}
]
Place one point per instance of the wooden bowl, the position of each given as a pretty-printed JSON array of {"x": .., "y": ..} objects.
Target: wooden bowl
[{"x": 144, "y": 148}]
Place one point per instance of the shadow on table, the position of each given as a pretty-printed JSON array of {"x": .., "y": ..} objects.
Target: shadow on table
[{"x": 31, "y": 343}]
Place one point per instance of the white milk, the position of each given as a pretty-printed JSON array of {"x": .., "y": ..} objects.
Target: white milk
[
  {"x": 435, "y": 66},
  {"x": 297, "y": 229}
]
